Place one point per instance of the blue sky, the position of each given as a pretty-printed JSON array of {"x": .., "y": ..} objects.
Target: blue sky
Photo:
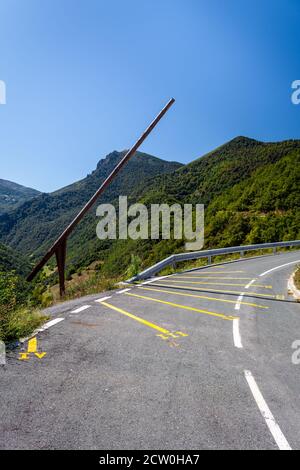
[{"x": 85, "y": 77}]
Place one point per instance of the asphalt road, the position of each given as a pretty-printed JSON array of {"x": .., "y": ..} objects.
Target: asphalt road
[{"x": 183, "y": 362}]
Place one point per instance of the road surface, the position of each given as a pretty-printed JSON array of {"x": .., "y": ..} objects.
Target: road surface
[{"x": 196, "y": 360}]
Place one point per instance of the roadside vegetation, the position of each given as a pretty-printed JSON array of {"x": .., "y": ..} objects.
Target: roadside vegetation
[
  {"x": 18, "y": 315},
  {"x": 83, "y": 283}
]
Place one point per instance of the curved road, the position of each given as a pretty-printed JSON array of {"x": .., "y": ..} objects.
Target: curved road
[{"x": 196, "y": 360}]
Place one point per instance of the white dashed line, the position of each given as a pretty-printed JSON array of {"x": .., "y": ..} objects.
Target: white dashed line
[
  {"x": 275, "y": 430},
  {"x": 49, "y": 324},
  {"x": 278, "y": 267},
  {"x": 43, "y": 328},
  {"x": 80, "y": 309},
  {"x": 122, "y": 291},
  {"x": 236, "y": 334},
  {"x": 103, "y": 299}
]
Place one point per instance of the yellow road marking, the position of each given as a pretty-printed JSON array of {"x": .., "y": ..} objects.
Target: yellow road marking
[
  {"x": 193, "y": 309},
  {"x": 214, "y": 277},
  {"x": 32, "y": 345},
  {"x": 165, "y": 333},
  {"x": 267, "y": 296},
  {"x": 219, "y": 284},
  {"x": 204, "y": 297},
  {"x": 216, "y": 272},
  {"x": 31, "y": 349},
  {"x": 134, "y": 317},
  {"x": 23, "y": 356}
]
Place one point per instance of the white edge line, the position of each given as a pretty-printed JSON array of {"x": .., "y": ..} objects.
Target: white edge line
[
  {"x": 103, "y": 298},
  {"x": 236, "y": 334},
  {"x": 278, "y": 267},
  {"x": 122, "y": 291},
  {"x": 250, "y": 284},
  {"x": 156, "y": 279},
  {"x": 81, "y": 309},
  {"x": 274, "y": 428},
  {"x": 239, "y": 300},
  {"x": 43, "y": 328}
]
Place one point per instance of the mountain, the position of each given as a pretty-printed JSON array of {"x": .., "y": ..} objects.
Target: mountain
[
  {"x": 250, "y": 190},
  {"x": 36, "y": 224},
  {"x": 13, "y": 194}
]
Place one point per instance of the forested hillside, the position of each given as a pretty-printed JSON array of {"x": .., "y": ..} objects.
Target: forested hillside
[
  {"x": 251, "y": 194},
  {"x": 11, "y": 260}
]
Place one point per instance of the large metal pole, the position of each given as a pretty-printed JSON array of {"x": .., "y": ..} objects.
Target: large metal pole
[{"x": 59, "y": 247}]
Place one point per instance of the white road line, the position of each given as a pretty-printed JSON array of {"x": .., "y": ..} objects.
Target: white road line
[
  {"x": 80, "y": 309},
  {"x": 49, "y": 324},
  {"x": 250, "y": 284},
  {"x": 43, "y": 328},
  {"x": 156, "y": 279},
  {"x": 275, "y": 430},
  {"x": 236, "y": 334},
  {"x": 278, "y": 267},
  {"x": 239, "y": 300},
  {"x": 103, "y": 298},
  {"x": 123, "y": 290}
]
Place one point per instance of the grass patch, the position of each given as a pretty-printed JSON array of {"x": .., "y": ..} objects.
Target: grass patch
[
  {"x": 83, "y": 285},
  {"x": 19, "y": 323}
]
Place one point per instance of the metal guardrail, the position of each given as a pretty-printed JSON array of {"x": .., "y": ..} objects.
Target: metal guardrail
[{"x": 174, "y": 259}]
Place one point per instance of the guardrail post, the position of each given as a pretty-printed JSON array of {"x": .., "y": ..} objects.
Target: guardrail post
[
  {"x": 274, "y": 250},
  {"x": 242, "y": 254},
  {"x": 209, "y": 260}
]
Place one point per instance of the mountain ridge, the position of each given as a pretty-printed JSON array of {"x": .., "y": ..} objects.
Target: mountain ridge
[
  {"x": 55, "y": 210},
  {"x": 13, "y": 194}
]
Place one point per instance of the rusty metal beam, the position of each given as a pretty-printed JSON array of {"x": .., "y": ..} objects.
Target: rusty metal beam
[
  {"x": 60, "y": 254},
  {"x": 59, "y": 247}
]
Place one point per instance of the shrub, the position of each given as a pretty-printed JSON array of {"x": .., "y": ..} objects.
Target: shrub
[
  {"x": 16, "y": 318},
  {"x": 134, "y": 267}
]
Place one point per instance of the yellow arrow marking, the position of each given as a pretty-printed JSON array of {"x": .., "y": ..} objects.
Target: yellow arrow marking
[
  {"x": 193, "y": 309},
  {"x": 23, "y": 357},
  {"x": 32, "y": 349},
  {"x": 32, "y": 345},
  {"x": 40, "y": 355}
]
